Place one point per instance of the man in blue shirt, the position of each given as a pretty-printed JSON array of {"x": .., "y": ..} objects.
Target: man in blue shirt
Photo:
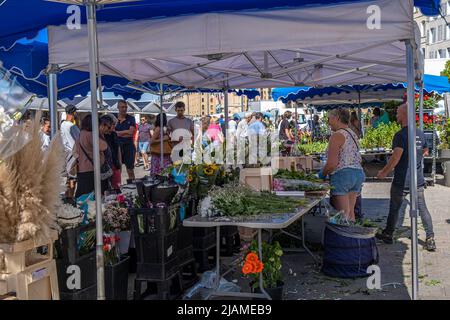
[
  {"x": 257, "y": 127},
  {"x": 125, "y": 129},
  {"x": 399, "y": 162}
]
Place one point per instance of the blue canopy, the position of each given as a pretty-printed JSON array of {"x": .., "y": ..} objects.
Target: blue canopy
[
  {"x": 25, "y": 18},
  {"x": 432, "y": 83}
]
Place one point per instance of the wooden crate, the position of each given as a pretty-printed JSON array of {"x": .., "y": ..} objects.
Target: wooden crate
[
  {"x": 303, "y": 163},
  {"x": 259, "y": 179},
  {"x": 37, "y": 282},
  {"x": 19, "y": 256}
]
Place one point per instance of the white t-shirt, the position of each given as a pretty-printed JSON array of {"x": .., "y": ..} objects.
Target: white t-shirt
[
  {"x": 242, "y": 128},
  {"x": 45, "y": 139},
  {"x": 232, "y": 126},
  {"x": 69, "y": 133}
]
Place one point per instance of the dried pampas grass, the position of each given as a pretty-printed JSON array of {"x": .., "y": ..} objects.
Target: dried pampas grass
[{"x": 30, "y": 184}]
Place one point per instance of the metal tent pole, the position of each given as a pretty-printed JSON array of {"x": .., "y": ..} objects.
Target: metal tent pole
[
  {"x": 161, "y": 98},
  {"x": 361, "y": 121},
  {"x": 225, "y": 108},
  {"x": 420, "y": 106},
  {"x": 52, "y": 94},
  {"x": 412, "y": 165},
  {"x": 93, "y": 52}
]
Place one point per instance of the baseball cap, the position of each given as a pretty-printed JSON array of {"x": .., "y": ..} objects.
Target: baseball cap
[{"x": 71, "y": 109}]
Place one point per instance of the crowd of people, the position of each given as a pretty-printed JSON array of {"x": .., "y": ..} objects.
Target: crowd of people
[{"x": 122, "y": 141}]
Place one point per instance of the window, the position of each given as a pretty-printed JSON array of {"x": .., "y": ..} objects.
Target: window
[
  {"x": 203, "y": 99},
  {"x": 423, "y": 52},
  {"x": 432, "y": 35},
  {"x": 444, "y": 9},
  {"x": 423, "y": 29},
  {"x": 442, "y": 53},
  {"x": 440, "y": 33},
  {"x": 448, "y": 52},
  {"x": 432, "y": 55}
]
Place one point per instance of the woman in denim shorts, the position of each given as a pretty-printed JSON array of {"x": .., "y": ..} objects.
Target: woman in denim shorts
[{"x": 343, "y": 163}]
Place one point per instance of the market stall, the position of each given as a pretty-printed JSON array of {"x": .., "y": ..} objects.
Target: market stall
[{"x": 247, "y": 60}]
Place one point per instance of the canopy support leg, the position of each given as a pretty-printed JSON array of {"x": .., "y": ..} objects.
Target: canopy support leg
[
  {"x": 161, "y": 112},
  {"x": 421, "y": 106},
  {"x": 225, "y": 110},
  {"x": 412, "y": 166},
  {"x": 93, "y": 67},
  {"x": 52, "y": 94}
]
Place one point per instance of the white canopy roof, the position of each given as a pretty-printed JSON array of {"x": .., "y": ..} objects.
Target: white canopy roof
[{"x": 312, "y": 46}]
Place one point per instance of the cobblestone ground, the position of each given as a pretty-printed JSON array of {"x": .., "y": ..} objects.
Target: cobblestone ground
[{"x": 303, "y": 279}]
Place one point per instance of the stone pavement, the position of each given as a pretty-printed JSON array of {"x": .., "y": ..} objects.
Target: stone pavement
[{"x": 303, "y": 279}]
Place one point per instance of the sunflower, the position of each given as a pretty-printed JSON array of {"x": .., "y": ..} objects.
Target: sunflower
[
  {"x": 208, "y": 171},
  {"x": 190, "y": 178}
]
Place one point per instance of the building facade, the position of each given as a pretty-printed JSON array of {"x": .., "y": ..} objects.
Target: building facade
[
  {"x": 435, "y": 38},
  {"x": 203, "y": 104}
]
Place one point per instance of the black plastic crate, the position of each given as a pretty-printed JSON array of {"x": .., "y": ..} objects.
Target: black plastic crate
[
  {"x": 185, "y": 255},
  {"x": 203, "y": 232},
  {"x": 230, "y": 244},
  {"x": 68, "y": 245},
  {"x": 155, "y": 220},
  {"x": 156, "y": 248},
  {"x": 205, "y": 259},
  {"x": 88, "y": 272},
  {"x": 89, "y": 293},
  {"x": 116, "y": 280},
  {"x": 185, "y": 237},
  {"x": 206, "y": 242},
  {"x": 157, "y": 271}
]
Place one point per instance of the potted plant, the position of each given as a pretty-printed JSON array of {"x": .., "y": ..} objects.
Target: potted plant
[
  {"x": 444, "y": 147},
  {"x": 269, "y": 266}
]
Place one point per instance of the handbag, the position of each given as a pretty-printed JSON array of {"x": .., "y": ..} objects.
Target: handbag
[
  {"x": 105, "y": 170},
  {"x": 155, "y": 147}
]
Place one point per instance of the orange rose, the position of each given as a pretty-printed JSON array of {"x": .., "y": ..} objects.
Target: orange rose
[
  {"x": 252, "y": 257},
  {"x": 247, "y": 268},
  {"x": 259, "y": 267}
]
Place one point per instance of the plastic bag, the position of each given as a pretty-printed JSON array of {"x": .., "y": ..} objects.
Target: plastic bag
[{"x": 207, "y": 283}]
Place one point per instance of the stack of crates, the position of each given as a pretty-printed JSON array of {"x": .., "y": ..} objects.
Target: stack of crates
[
  {"x": 77, "y": 270},
  {"x": 155, "y": 233}
]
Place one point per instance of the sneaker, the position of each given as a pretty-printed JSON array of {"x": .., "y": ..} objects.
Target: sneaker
[
  {"x": 385, "y": 238},
  {"x": 430, "y": 245}
]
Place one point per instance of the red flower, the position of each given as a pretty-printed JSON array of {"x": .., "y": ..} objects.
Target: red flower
[{"x": 120, "y": 198}]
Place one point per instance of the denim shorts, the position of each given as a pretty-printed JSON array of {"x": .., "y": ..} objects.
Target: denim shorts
[
  {"x": 143, "y": 147},
  {"x": 347, "y": 180}
]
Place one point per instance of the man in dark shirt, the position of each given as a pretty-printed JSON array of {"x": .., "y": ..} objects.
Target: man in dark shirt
[
  {"x": 125, "y": 128},
  {"x": 399, "y": 162},
  {"x": 285, "y": 134}
]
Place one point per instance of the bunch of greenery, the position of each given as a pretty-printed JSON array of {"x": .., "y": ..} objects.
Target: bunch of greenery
[
  {"x": 381, "y": 137},
  {"x": 445, "y": 136},
  {"x": 297, "y": 175},
  {"x": 238, "y": 200},
  {"x": 312, "y": 147}
]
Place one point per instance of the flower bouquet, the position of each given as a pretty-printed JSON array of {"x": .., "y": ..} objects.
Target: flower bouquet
[{"x": 110, "y": 249}]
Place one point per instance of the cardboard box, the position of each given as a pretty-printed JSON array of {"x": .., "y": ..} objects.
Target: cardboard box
[{"x": 259, "y": 179}]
